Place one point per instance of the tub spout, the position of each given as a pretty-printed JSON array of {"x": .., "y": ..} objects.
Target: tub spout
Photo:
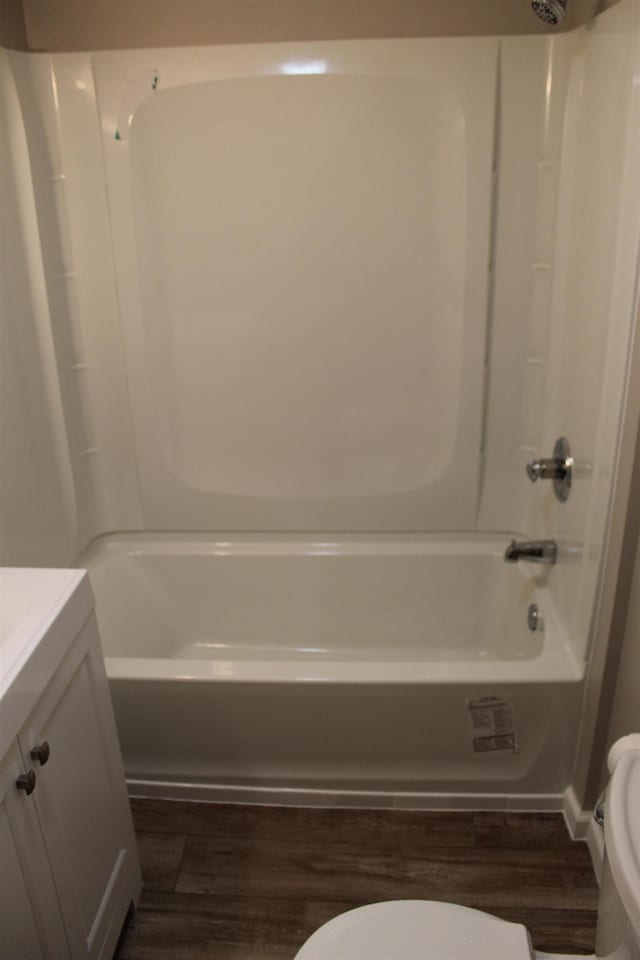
[{"x": 535, "y": 551}]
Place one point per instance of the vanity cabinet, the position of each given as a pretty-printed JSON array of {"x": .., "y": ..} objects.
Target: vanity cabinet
[
  {"x": 30, "y": 921},
  {"x": 67, "y": 847}
]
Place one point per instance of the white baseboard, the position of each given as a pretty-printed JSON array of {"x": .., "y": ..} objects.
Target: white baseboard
[
  {"x": 366, "y": 799},
  {"x": 582, "y": 826},
  {"x": 576, "y": 818}
]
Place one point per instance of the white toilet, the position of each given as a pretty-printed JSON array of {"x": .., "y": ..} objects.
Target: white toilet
[{"x": 428, "y": 930}]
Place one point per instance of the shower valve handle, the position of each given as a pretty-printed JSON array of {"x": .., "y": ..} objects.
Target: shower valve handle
[
  {"x": 558, "y": 468},
  {"x": 545, "y": 469}
]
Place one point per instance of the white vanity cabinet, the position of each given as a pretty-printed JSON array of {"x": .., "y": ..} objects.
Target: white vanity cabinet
[
  {"x": 67, "y": 847},
  {"x": 30, "y": 920}
]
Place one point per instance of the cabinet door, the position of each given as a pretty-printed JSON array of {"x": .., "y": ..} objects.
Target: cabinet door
[
  {"x": 81, "y": 798},
  {"x": 30, "y": 920}
]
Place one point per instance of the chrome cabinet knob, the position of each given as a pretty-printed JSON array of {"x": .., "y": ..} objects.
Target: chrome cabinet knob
[
  {"x": 27, "y": 782},
  {"x": 40, "y": 753},
  {"x": 558, "y": 468}
]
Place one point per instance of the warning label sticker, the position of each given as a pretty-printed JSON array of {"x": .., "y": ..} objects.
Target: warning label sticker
[{"x": 492, "y": 724}]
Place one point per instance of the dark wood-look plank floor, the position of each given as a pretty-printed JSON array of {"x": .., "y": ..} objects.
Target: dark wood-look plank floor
[{"x": 233, "y": 882}]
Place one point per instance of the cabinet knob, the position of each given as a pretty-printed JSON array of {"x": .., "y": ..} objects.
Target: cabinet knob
[
  {"x": 40, "y": 753},
  {"x": 27, "y": 782}
]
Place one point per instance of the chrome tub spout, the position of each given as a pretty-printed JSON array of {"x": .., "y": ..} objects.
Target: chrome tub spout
[{"x": 535, "y": 551}]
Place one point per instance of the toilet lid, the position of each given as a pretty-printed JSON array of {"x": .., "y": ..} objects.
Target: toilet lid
[{"x": 417, "y": 930}]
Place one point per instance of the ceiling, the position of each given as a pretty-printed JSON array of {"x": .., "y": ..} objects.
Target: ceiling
[{"x": 68, "y": 25}]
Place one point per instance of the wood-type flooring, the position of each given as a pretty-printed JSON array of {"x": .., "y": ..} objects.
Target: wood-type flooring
[{"x": 236, "y": 882}]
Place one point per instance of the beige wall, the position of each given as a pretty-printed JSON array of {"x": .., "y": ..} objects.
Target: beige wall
[
  {"x": 66, "y": 25},
  {"x": 606, "y": 681},
  {"x": 13, "y": 34},
  {"x": 36, "y": 496},
  {"x": 625, "y": 716}
]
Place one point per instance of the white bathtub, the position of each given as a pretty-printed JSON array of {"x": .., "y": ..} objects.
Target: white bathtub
[{"x": 335, "y": 670}]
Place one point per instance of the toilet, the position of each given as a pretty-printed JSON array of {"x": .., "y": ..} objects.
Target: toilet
[{"x": 429, "y": 930}]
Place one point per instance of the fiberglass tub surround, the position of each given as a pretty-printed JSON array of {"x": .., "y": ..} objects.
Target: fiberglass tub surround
[
  {"x": 341, "y": 198},
  {"x": 353, "y": 287}
]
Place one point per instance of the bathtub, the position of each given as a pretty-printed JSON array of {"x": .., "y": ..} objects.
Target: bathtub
[{"x": 387, "y": 670}]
